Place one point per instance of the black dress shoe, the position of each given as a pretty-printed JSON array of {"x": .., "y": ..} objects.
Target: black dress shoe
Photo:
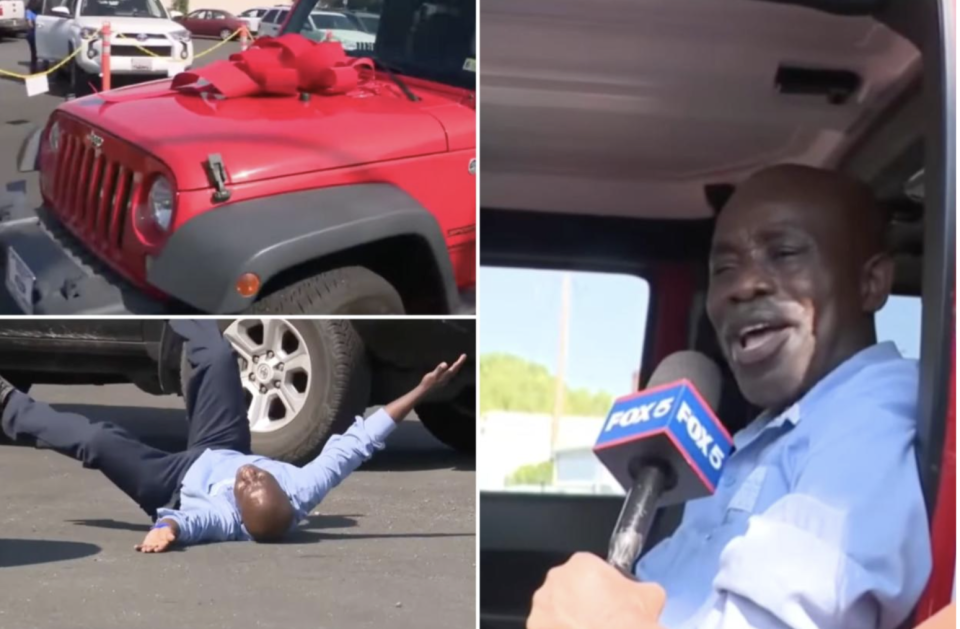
[{"x": 5, "y": 390}]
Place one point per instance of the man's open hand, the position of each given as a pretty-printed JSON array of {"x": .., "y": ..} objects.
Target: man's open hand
[
  {"x": 157, "y": 540},
  {"x": 588, "y": 593},
  {"x": 443, "y": 373}
]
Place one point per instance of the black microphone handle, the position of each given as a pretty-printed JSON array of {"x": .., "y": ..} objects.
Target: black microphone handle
[{"x": 635, "y": 519}]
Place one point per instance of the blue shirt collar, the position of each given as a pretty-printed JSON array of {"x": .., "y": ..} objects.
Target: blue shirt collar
[{"x": 794, "y": 413}]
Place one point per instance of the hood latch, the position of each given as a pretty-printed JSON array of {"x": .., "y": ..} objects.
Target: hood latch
[{"x": 218, "y": 177}]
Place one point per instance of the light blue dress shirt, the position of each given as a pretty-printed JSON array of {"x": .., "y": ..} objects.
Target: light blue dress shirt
[
  {"x": 818, "y": 521},
  {"x": 208, "y": 510}
]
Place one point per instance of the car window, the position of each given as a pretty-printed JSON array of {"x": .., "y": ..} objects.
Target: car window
[
  {"x": 550, "y": 372},
  {"x": 218, "y": 15},
  {"x": 899, "y": 321},
  {"x": 271, "y": 17},
  {"x": 196, "y": 15},
  {"x": 122, "y": 8},
  {"x": 333, "y": 22}
]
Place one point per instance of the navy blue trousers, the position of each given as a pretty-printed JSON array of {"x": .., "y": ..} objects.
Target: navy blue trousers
[{"x": 216, "y": 414}]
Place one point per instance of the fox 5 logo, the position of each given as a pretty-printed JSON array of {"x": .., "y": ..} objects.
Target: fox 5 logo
[
  {"x": 640, "y": 413},
  {"x": 701, "y": 437}
]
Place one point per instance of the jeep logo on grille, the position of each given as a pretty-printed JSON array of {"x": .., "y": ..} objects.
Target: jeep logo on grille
[{"x": 95, "y": 140}]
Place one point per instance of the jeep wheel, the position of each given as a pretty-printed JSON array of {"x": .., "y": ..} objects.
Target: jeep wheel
[
  {"x": 454, "y": 422},
  {"x": 352, "y": 290},
  {"x": 304, "y": 381}
]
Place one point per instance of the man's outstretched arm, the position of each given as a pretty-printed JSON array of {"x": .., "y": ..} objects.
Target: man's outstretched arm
[
  {"x": 344, "y": 453},
  {"x": 212, "y": 524}
]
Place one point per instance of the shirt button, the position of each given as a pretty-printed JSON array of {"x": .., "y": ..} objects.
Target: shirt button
[{"x": 729, "y": 481}]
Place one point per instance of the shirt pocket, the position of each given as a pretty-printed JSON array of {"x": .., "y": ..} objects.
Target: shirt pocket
[{"x": 749, "y": 497}]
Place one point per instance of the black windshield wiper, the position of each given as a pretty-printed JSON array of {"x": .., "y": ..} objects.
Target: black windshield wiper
[{"x": 397, "y": 80}]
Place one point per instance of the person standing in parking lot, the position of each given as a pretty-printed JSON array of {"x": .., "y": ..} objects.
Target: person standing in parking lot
[
  {"x": 215, "y": 489},
  {"x": 32, "y": 7}
]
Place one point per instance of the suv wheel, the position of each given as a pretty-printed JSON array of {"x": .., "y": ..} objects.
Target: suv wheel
[
  {"x": 454, "y": 422},
  {"x": 304, "y": 381},
  {"x": 352, "y": 290},
  {"x": 79, "y": 79}
]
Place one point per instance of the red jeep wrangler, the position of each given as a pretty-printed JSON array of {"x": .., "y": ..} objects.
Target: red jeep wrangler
[{"x": 157, "y": 200}]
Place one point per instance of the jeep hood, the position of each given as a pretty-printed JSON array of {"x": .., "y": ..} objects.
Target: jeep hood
[{"x": 263, "y": 137}]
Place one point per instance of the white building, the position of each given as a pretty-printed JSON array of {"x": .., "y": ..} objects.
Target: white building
[{"x": 509, "y": 441}]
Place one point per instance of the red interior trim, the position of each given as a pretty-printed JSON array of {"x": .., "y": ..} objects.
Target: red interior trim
[
  {"x": 943, "y": 529},
  {"x": 671, "y": 290}
]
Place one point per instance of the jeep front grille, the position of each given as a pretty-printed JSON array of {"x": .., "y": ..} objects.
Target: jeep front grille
[{"x": 92, "y": 194}]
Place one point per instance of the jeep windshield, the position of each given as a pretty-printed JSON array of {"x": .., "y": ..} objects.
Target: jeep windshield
[
  {"x": 428, "y": 39},
  {"x": 122, "y": 8}
]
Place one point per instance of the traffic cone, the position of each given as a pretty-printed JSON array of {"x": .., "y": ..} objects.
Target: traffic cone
[{"x": 244, "y": 37}]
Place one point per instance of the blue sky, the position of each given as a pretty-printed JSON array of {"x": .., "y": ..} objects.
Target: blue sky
[{"x": 520, "y": 314}]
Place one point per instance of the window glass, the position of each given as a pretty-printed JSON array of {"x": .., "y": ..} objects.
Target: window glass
[
  {"x": 899, "y": 321},
  {"x": 555, "y": 349},
  {"x": 271, "y": 17}
]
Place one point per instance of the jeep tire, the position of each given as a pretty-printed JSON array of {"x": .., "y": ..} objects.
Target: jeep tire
[
  {"x": 334, "y": 388},
  {"x": 454, "y": 423},
  {"x": 352, "y": 290}
]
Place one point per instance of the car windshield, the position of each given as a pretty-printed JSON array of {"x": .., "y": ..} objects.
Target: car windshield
[
  {"x": 370, "y": 22},
  {"x": 122, "y": 8},
  {"x": 331, "y": 21},
  {"x": 429, "y": 39}
]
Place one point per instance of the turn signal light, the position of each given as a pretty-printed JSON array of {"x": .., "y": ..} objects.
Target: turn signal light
[{"x": 248, "y": 284}]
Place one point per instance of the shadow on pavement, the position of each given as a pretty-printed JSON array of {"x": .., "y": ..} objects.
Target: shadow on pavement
[
  {"x": 26, "y": 552},
  {"x": 313, "y": 523},
  {"x": 302, "y": 536}
]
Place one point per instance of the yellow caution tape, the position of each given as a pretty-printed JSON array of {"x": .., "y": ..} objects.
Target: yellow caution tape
[
  {"x": 52, "y": 69},
  {"x": 217, "y": 45}
]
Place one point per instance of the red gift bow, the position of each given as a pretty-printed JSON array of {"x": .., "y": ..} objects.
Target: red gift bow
[{"x": 282, "y": 66}]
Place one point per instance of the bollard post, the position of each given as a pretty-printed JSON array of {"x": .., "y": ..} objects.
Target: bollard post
[
  {"x": 244, "y": 37},
  {"x": 105, "y": 58}
]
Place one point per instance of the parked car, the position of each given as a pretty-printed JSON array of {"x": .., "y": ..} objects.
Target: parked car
[
  {"x": 612, "y": 159},
  {"x": 13, "y": 19},
  {"x": 238, "y": 183},
  {"x": 323, "y": 26},
  {"x": 304, "y": 380},
  {"x": 366, "y": 22},
  {"x": 211, "y": 23},
  {"x": 137, "y": 26},
  {"x": 252, "y": 17}
]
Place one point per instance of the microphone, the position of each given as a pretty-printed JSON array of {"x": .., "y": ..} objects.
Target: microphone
[{"x": 664, "y": 445}]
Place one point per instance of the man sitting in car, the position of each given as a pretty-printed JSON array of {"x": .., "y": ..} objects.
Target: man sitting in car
[{"x": 821, "y": 521}]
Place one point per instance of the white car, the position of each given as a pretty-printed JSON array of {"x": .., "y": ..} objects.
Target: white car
[
  {"x": 144, "y": 23},
  {"x": 12, "y": 17},
  {"x": 323, "y": 25},
  {"x": 252, "y": 17}
]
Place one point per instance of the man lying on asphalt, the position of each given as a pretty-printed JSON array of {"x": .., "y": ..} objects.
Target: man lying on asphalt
[
  {"x": 215, "y": 489},
  {"x": 819, "y": 520}
]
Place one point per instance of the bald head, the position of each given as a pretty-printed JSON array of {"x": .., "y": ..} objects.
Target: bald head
[
  {"x": 264, "y": 507},
  {"x": 798, "y": 268},
  {"x": 838, "y": 202}
]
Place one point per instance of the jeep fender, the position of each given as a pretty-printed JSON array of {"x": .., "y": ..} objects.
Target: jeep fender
[{"x": 203, "y": 259}]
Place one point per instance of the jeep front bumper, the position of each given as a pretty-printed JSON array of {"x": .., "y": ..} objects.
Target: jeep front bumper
[{"x": 46, "y": 274}]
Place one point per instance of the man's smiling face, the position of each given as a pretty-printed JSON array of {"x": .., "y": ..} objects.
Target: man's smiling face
[{"x": 794, "y": 280}]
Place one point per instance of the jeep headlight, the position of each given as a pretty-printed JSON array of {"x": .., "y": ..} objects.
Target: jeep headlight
[
  {"x": 180, "y": 36},
  {"x": 159, "y": 208},
  {"x": 53, "y": 138},
  {"x": 87, "y": 32}
]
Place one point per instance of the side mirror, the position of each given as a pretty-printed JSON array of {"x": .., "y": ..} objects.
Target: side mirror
[
  {"x": 176, "y": 15},
  {"x": 60, "y": 11}
]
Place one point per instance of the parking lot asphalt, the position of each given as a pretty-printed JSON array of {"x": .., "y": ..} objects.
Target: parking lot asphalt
[
  {"x": 393, "y": 546},
  {"x": 19, "y": 114}
]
